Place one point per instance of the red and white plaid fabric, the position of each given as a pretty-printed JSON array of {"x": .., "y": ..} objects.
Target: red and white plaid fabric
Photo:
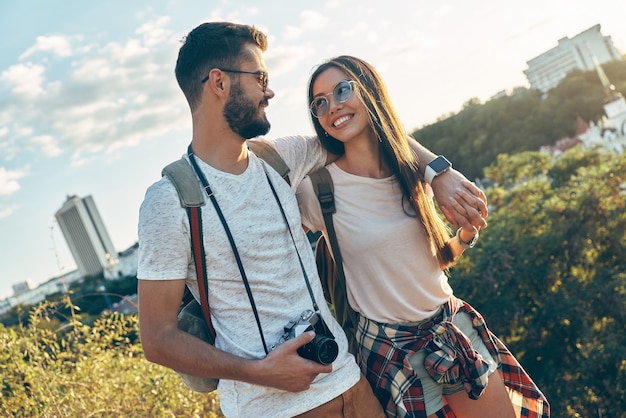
[{"x": 384, "y": 351}]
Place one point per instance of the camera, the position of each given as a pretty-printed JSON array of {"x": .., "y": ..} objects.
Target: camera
[{"x": 322, "y": 349}]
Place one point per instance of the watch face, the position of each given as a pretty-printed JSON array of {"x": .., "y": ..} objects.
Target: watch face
[{"x": 439, "y": 164}]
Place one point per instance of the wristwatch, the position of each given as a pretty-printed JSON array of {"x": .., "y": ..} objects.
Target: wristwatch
[
  {"x": 436, "y": 167},
  {"x": 469, "y": 244}
]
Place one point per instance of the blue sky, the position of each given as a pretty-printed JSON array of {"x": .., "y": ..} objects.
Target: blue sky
[{"x": 89, "y": 103}]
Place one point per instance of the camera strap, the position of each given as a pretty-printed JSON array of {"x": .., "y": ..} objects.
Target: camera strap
[
  {"x": 282, "y": 211},
  {"x": 209, "y": 191}
]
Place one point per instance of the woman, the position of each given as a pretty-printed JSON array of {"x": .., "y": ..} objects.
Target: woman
[{"x": 395, "y": 251}]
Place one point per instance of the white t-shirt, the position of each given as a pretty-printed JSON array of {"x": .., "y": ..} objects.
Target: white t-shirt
[
  {"x": 270, "y": 263},
  {"x": 392, "y": 273}
]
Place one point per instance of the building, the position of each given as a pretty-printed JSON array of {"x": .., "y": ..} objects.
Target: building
[
  {"x": 86, "y": 236},
  {"x": 23, "y": 287},
  {"x": 26, "y": 294},
  {"x": 545, "y": 71}
]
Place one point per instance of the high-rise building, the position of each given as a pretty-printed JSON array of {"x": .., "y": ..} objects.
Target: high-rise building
[
  {"x": 545, "y": 71},
  {"x": 86, "y": 235}
]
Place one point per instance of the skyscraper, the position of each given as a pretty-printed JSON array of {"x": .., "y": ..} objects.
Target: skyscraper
[
  {"x": 548, "y": 69},
  {"x": 86, "y": 235}
]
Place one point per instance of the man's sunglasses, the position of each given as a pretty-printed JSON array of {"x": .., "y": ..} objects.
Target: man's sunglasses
[
  {"x": 341, "y": 93},
  {"x": 261, "y": 75}
]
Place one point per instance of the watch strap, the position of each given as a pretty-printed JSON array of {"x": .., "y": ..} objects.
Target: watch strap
[
  {"x": 429, "y": 174},
  {"x": 472, "y": 242}
]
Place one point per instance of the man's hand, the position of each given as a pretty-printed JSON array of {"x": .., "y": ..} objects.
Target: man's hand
[
  {"x": 460, "y": 200},
  {"x": 284, "y": 369}
]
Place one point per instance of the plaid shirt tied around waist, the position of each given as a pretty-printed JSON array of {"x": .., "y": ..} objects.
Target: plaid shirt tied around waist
[{"x": 385, "y": 350}]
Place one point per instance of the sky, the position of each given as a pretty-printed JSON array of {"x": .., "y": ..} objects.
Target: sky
[{"x": 89, "y": 104}]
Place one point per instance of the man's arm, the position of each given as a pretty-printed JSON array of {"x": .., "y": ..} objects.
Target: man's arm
[
  {"x": 165, "y": 344},
  {"x": 462, "y": 203}
]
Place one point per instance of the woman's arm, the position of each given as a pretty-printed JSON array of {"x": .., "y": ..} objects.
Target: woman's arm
[
  {"x": 460, "y": 200},
  {"x": 463, "y": 240}
]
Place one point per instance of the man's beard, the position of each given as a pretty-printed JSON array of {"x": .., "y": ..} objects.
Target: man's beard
[{"x": 243, "y": 116}]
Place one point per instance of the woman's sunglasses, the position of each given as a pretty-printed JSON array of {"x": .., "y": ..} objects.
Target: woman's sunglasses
[{"x": 341, "y": 93}]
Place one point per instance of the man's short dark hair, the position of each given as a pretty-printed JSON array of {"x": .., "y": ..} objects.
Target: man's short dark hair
[{"x": 212, "y": 45}]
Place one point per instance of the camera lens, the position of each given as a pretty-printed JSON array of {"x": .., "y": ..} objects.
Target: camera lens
[{"x": 324, "y": 349}]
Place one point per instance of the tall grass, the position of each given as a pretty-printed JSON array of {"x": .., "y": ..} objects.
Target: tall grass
[{"x": 60, "y": 367}]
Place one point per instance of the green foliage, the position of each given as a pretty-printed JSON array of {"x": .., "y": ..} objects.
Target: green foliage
[
  {"x": 548, "y": 275},
  {"x": 523, "y": 121},
  {"x": 68, "y": 369}
]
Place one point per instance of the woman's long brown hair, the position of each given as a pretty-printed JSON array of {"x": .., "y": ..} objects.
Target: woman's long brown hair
[{"x": 396, "y": 151}]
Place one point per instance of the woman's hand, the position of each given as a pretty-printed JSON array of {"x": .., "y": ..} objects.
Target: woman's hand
[{"x": 460, "y": 200}]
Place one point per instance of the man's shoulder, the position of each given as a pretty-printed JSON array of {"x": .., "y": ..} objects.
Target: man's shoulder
[{"x": 161, "y": 191}]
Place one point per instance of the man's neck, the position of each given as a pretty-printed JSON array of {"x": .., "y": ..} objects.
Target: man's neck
[{"x": 227, "y": 152}]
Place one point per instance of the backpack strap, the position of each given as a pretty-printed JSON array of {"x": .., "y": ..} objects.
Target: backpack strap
[
  {"x": 197, "y": 248},
  {"x": 324, "y": 190},
  {"x": 186, "y": 183},
  {"x": 191, "y": 198},
  {"x": 268, "y": 153},
  {"x": 334, "y": 280}
]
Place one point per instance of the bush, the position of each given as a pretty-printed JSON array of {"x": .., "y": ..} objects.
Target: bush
[{"x": 68, "y": 369}]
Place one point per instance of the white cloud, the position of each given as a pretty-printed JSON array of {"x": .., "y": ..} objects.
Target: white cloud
[
  {"x": 114, "y": 95},
  {"x": 6, "y": 211},
  {"x": 47, "y": 145},
  {"x": 25, "y": 79},
  {"x": 310, "y": 21},
  {"x": 9, "y": 181},
  {"x": 59, "y": 45},
  {"x": 282, "y": 59},
  {"x": 155, "y": 32}
]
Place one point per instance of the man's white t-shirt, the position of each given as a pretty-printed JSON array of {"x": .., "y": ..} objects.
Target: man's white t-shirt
[{"x": 270, "y": 262}]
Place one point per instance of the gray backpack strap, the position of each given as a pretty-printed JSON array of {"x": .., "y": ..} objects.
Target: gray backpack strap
[
  {"x": 324, "y": 190},
  {"x": 184, "y": 179},
  {"x": 266, "y": 151},
  {"x": 331, "y": 271}
]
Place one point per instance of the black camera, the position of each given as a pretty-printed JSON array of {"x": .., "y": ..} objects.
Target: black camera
[{"x": 322, "y": 349}]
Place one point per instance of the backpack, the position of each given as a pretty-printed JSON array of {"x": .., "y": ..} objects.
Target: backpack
[{"x": 331, "y": 270}]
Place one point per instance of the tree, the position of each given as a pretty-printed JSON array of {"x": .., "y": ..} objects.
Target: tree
[{"x": 548, "y": 275}]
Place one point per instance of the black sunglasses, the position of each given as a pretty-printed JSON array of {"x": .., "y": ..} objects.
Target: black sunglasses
[
  {"x": 341, "y": 93},
  {"x": 261, "y": 75}
]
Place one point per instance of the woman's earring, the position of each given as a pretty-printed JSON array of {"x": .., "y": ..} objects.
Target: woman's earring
[{"x": 325, "y": 133}]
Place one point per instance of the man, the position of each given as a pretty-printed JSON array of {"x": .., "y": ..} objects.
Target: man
[{"x": 220, "y": 70}]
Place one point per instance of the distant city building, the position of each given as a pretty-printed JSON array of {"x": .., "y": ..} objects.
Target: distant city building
[
  {"x": 34, "y": 295},
  {"x": 548, "y": 69},
  {"x": 23, "y": 287},
  {"x": 27, "y": 294},
  {"x": 126, "y": 264},
  {"x": 86, "y": 236}
]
